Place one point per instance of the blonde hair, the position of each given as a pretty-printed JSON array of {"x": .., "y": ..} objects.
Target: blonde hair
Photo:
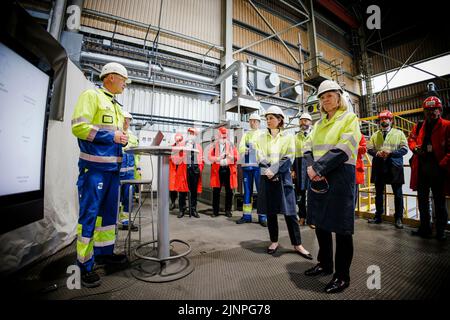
[{"x": 343, "y": 104}]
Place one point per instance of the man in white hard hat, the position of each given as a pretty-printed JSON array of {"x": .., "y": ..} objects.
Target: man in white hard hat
[
  {"x": 127, "y": 173},
  {"x": 250, "y": 169},
  {"x": 299, "y": 174},
  {"x": 97, "y": 122}
]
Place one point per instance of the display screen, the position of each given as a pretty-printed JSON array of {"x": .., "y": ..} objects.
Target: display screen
[{"x": 23, "y": 99}]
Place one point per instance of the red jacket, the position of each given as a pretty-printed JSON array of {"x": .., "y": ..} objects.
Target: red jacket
[
  {"x": 232, "y": 159},
  {"x": 440, "y": 141},
  {"x": 181, "y": 158},
  {"x": 362, "y": 149},
  {"x": 172, "y": 173}
]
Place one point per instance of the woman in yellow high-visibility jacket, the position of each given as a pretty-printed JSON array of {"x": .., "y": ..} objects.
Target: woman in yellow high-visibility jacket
[
  {"x": 331, "y": 160},
  {"x": 275, "y": 153}
]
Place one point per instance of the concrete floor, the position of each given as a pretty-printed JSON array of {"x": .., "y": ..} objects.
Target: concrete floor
[{"x": 230, "y": 262}]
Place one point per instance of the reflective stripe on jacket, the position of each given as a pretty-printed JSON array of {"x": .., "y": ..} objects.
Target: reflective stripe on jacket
[
  {"x": 391, "y": 168},
  {"x": 96, "y": 117},
  {"x": 247, "y": 148},
  {"x": 128, "y": 159}
]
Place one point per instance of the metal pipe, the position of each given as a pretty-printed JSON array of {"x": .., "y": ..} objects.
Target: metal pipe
[
  {"x": 242, "y": 79},
  {"x": 102, "y": 58},
  {"x": 408, "y": 65},
  {"x": 269, "y": 37},
  {"x": 280, "y": 75},
  {"x": 274, "y": 31},
  {"x": 178, "y": 86},
  {"x": 241, "y": 68},
  {"x": 302, "y": 69},
  {"x": 183, "y": 74},
  {"x": 403, "y": 65},
  {"x": 279, "y": 91},
  {"x": 57, "y": 18},
  {"x": 145, "y": 26},
  {"x": 312, "y": 35},
  {"x": 294, "y": 8},
  {"x": 303, "y": 6}
]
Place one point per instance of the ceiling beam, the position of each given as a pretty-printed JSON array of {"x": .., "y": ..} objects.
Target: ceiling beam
[{"x": 339, "y": 11}]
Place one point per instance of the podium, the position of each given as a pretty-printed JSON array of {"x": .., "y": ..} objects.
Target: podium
[{"x": 163, "y": 267}]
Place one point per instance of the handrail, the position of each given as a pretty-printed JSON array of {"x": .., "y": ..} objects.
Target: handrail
[{"x": 366, "y": 210}]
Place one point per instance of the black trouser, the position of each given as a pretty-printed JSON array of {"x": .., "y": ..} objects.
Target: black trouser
[
  {"x": 193, "y": 175},
  {"x": 379, "y": 198},
  {"x": 224, "y": 178},
  {"x": 344, "y": 253},
  {"x": 431, "y": 176},
  {"x": 292, "y": 225},
  {"x": 301, "y": 203},
  {"x": 173, "y": 196}
]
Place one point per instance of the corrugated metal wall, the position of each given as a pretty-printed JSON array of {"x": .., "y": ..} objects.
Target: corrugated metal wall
[
  {"x": 269, "y": 48},
  {"x": 244, "y": 14},
  {"x": 196, "y": 18},
  {"x": 172, "y": 106},
  {"x": 411, "y": 96},
  {"x": 432, "y": 46},
  {"x": 142, "y": 100}
]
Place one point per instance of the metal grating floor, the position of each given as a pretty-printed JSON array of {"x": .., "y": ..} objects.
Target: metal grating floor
[{"x": 230, "y": 263}]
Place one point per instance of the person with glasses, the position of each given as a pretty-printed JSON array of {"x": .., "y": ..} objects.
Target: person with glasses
[
  {"x": 331, "y": 157},
  {"x": 275, "y": 153},
  {"x": 97, "y": 123}
]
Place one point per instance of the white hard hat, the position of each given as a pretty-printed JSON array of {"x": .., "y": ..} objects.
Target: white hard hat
[
  {"x": 328, "y": 85},
  {"x": 254, "y": 116},
  {"x": 126, "y": 114},
  {"x": 306, "y": 116},
  {"x": 274, "y": 110},
  {"x": 114, "y": 67}
]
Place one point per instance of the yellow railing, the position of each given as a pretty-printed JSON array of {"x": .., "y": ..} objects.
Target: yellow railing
[
  {"x": 367, "y": 193},
  {"x": 399, "y": 122},
  {"x": 403, "y": 124}
]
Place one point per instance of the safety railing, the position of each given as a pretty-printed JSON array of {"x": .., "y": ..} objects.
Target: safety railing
[
  {"x": 403, "y": 124},
  {"x": 365, "y": 206},
  {"x": 368, "y": 125}
]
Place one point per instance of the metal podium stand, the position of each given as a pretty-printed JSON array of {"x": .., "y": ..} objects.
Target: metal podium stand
[{"x": 164, "y": 267}]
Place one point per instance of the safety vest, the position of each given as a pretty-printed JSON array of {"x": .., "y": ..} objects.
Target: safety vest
[
  {"x": 340, "y": 132},
  {"x": 300, "y": 142},
  {"x": 248, "y": 142},
  {"x": 128, "y": 161},
  {"x": 395, "y": 139},
  {"x": 96, "y": 117},
  {"x": 273, "y": 149}
]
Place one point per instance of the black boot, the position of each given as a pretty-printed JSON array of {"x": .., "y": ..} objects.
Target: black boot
[
  {"x": 90, "y": 279},
  {"x": 181, "y": 213},
  {"x": 172, "y": 206},
  {"x": 195, "y": 213},
  {"x": 376, "y": 220}
]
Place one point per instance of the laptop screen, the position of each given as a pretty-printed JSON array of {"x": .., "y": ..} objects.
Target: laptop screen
[{"x": 157, "y": 139}]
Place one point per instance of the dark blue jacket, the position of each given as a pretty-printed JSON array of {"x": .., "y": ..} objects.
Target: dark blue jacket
[
  {"x": 277, "y": 196},
  {"x": 333, "y": 211}
]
